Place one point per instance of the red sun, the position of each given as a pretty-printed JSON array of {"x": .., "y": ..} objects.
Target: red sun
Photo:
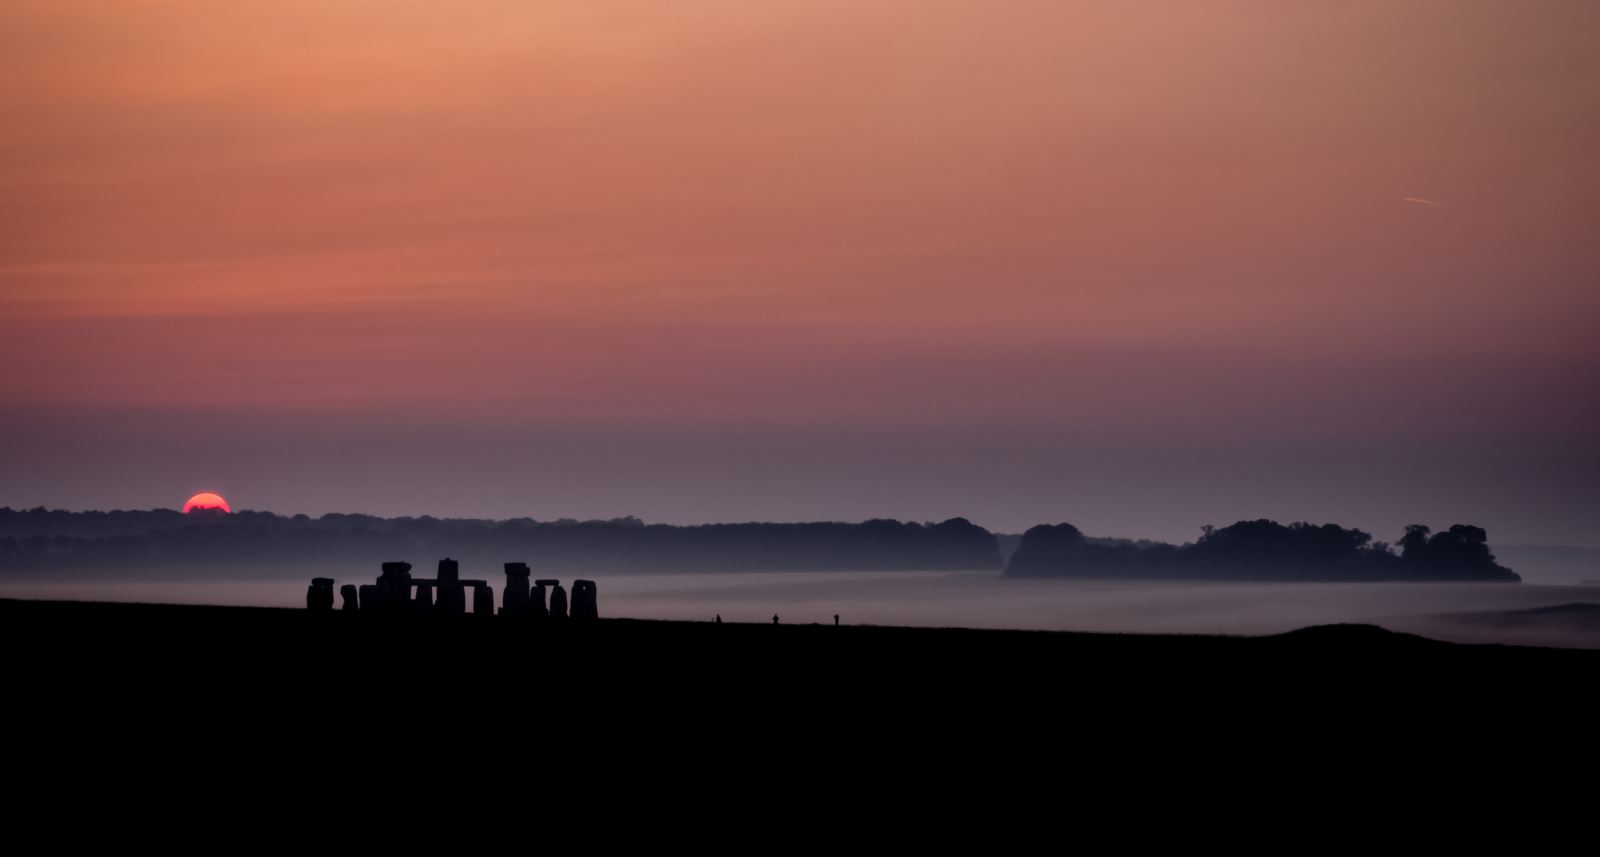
[{"x": 206, "y": 500}]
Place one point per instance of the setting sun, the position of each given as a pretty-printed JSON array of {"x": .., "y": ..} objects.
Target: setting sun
[{"x": 206, "y": 500}]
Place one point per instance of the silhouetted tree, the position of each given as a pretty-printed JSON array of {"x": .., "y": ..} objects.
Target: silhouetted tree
[{"x": 1415, "y": 538}]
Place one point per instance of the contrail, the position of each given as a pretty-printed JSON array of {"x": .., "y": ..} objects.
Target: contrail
[{"x": 1420, "y": 201}]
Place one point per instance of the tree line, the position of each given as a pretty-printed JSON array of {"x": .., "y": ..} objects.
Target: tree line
[
  {"x": 204, "y": 540},
  {"x": 1265, "y": 550}
]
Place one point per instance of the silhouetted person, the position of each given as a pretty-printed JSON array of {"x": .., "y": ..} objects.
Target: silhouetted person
[
  {"x": 719, "y": 618},
  {"x": 774, "y": 618},
  {"x": 836, "y": 620}
]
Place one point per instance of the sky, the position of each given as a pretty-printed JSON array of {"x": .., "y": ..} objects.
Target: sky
[{"x": 1140, "y": 266}]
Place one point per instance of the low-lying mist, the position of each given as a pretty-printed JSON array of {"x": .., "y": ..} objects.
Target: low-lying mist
[{"x": 1463, "y": 612}]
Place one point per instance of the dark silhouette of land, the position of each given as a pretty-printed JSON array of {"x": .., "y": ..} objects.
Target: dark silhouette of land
[
  {"x": 736, "y": 713},
  {"x": 331, "y": 654},
  {"x": 65, "y": 627},
  {"x": 207, "y": 543}
]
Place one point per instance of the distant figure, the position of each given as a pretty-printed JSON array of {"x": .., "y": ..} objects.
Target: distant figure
[
  {"x": 719, "y": 618},
  {"x": 774, "y": 618},
  {"x": 836, "y": 620}
]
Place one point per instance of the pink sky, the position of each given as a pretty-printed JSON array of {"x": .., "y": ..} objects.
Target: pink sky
[{"x": 1137, "y": 265}]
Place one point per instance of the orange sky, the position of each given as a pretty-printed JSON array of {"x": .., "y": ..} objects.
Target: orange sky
[{"x": 1035, "y": 234}]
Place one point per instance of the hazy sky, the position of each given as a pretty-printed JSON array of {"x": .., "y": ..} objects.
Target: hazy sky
[{"x": 1136, "y": 265}]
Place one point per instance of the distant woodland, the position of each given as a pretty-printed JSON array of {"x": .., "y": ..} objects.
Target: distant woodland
[
  {"x": 207, "y": 542},
  {"x": 167, "y": 540},
  {"x": 1265, "y": 550}
]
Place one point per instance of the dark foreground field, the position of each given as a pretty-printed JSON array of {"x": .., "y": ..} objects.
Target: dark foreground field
[
  {"x": 345, "y": 666},
  {"x": 336, "y": 701}
]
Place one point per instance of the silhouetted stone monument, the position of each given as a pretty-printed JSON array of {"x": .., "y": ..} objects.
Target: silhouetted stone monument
[
  {"x": 319, "y": 595},
  {"x": 394, "y": 586},
  {"x": 452, "y": 595},
  {"x": 536, "y": 599},
  {"x": 585, "y": 604},
  {"x": 515, "y": 599},
  {"x": 446, "y": 593}
]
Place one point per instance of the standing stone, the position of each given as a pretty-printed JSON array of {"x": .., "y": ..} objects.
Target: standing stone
[
  {"x": 536, "y": 607},
  {"x": 369, "y": 596},
  {"x": 558, "y": 602},
  {"x": 584, "y": 600},
  {"x": 453, "y": 600},
  {"x": 394, "y": 585},
  {"x": 348, "y": 593},
  {"x": 452, "y": 596},
  {"x": 424, "y": 596},
  {"x": 515, "y": 599},
  {"x": 482, "y": 600},
  {"x": 319, "y": 595}
]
